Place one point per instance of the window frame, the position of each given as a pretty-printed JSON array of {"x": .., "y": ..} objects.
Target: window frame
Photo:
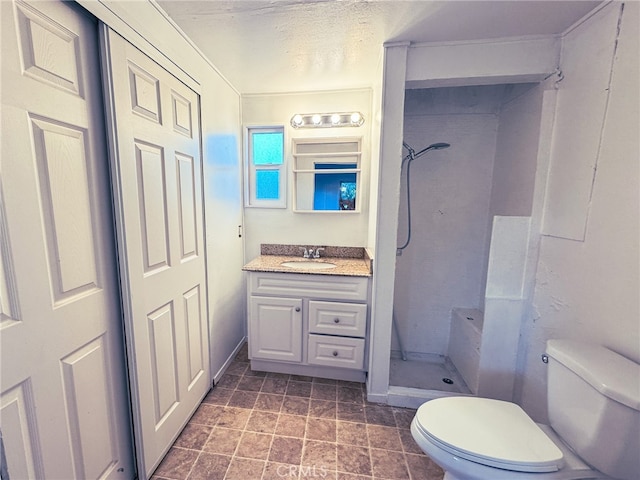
[{"x": 251, "y": 169}]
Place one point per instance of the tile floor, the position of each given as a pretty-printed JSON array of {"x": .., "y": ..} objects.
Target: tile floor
[{"x": 264, "y": 426}]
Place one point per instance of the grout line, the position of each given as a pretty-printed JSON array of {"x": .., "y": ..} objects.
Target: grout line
[{"x": 307, "y": 416}]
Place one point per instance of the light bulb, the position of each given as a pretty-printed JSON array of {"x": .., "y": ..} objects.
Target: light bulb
[
  {"x": 335, "y": 119},
  {"x": 316, "y": 119},
  {"x": 297, "y": 120},
  {"x": 355, "y": 117}
]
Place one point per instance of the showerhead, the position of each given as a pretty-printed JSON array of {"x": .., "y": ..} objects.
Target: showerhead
[
  {"x": 412, "y": 155},
  {"x": 438, "y": 146},
  {"x": 433, "y": 146}
]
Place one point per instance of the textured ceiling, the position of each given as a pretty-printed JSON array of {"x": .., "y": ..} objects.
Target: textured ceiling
[{"x": 297, "y": 45}]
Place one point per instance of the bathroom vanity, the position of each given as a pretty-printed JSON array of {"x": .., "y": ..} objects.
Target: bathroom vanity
[{"x": 307, "y": 320}]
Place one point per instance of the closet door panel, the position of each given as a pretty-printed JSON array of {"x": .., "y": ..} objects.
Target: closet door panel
[{"x": 157, "y": 178}]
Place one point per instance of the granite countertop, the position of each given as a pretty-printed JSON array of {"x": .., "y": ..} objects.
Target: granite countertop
[{"x": 349, "y": 261}]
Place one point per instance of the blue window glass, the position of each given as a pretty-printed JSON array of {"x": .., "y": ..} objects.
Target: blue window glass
[
  {"x": 268, "y": 148},
  {"x": 267, "y": 184},
  {"x": 266, "y": 164}
]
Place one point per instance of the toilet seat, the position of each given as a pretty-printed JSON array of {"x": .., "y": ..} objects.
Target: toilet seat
[{"x": 490, "y": 432}]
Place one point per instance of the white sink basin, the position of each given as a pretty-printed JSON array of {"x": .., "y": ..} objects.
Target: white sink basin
[{"x": 308, "y": 265}]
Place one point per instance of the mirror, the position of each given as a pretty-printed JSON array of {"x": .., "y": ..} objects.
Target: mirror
[{"x": 326, "y": 174}]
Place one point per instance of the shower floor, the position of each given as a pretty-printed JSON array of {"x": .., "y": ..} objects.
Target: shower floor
[{"x": 426, "y": 373}]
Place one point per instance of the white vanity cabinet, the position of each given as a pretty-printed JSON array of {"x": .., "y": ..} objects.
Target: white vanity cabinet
[{"x": 308, "y": 324}]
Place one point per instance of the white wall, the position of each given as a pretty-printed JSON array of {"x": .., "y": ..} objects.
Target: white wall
[
  {"x": 589, "y": 289},
  {"x": 520, "y": 165},
  {"x": 587, "y": 55},
  {"x": 376, "y": 130},
  {"x": 222, "y": 145},
  {"x": 272, "y": 225},
  {"x": 443, "y": 265},
  {"x": 516, "y": 154}
]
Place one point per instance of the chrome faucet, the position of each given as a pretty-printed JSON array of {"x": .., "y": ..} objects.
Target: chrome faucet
[{"x": 311, "y": 253}]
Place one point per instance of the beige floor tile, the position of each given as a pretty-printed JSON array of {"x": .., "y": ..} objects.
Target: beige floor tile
[
  {"x": 286, "y": 450},
  {"x": 322, "y": 429},
  {"x": 207, "y": 414},
  {"x": 350, "y": 433},
  {"x": 386, "y": 438},
  {"x": 177, "y": 463},
  {"x": 295, "y": 406},
  {"x": 291, "y": 425},
  {"x": 421, "y": 466},
  {"x": 245, "y": 469},
  {"x": 269, "y": 402},
  {"x": 389, "y": 464},
  {"x": 270, "y": 426},
  {"x": 193, "y": 436},
  {"x": 223, "y": 441},
  {"x": 353, "y": 459},
  {"x": 254, "y": 445},
  {"x": 319, "y": 455},
  {"x": 322, "y": 408},
  {"x": 210, "y": 467},
  {"x": 233, "y": 417},
  {"x": 262, "y": 422}
]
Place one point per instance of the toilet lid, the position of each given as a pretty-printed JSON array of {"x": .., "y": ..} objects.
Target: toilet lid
[{"x": 490, "y": 432}]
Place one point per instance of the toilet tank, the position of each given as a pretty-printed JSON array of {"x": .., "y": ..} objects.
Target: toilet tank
[{"x": 593, "y": 397}]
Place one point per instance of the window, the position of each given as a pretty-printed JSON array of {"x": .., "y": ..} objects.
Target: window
[{"x": 266, "y": 172}]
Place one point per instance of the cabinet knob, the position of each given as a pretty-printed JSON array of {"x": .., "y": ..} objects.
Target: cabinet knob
[
  {"x": 297, "y": 309},
  {"x": 335, "y": 353},
  {"x": 336, "y": 320}
]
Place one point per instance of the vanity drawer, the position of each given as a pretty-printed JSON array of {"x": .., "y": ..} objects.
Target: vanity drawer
[
  {"x": 336, "y": 318},
  {"x": 336, "y": 351},
  {"x": 325, "y": 287}
]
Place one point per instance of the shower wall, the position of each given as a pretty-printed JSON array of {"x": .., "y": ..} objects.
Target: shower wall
[{"x": 445, "y": 264}]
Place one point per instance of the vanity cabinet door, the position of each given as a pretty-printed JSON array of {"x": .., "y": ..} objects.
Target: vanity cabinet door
[{"x": 275, "y": 328}]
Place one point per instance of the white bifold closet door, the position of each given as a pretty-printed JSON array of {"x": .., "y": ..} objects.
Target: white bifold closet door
[
  {"x": 64, "y": 408},
  {"x": 157, "y": 178}
]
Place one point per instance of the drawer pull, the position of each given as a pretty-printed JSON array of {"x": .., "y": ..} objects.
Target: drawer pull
[
  {"x": 297, "y": 309},
  {"x": 336, "y": 320},
  {"x": 335, "y": 353}
]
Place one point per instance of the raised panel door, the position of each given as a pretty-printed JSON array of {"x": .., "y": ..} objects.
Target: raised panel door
[
  {"x": 64, "y": 407},
  {"x": 275, "y": 328},
  {"x": 157, "y": 178}
]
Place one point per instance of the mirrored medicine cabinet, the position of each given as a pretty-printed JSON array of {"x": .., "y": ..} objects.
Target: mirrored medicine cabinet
[{"x": 326, "y": 174}]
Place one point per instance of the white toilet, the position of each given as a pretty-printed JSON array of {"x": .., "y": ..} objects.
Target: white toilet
[{"x": 593, "y": 399}]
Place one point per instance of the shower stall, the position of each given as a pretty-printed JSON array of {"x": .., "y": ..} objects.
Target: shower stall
[{"x": 448, "y": 200}]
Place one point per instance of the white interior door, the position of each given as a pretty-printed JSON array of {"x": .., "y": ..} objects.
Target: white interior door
[
  {"x": 64, "y": 404},
  {"x": 157, "y": 177}
]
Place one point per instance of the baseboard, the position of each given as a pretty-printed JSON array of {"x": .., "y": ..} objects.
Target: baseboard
[{"x": 225, "y": 365}]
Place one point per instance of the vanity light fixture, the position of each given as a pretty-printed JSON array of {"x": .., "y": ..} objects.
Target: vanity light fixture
[{"x": 324, "y": 120}]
